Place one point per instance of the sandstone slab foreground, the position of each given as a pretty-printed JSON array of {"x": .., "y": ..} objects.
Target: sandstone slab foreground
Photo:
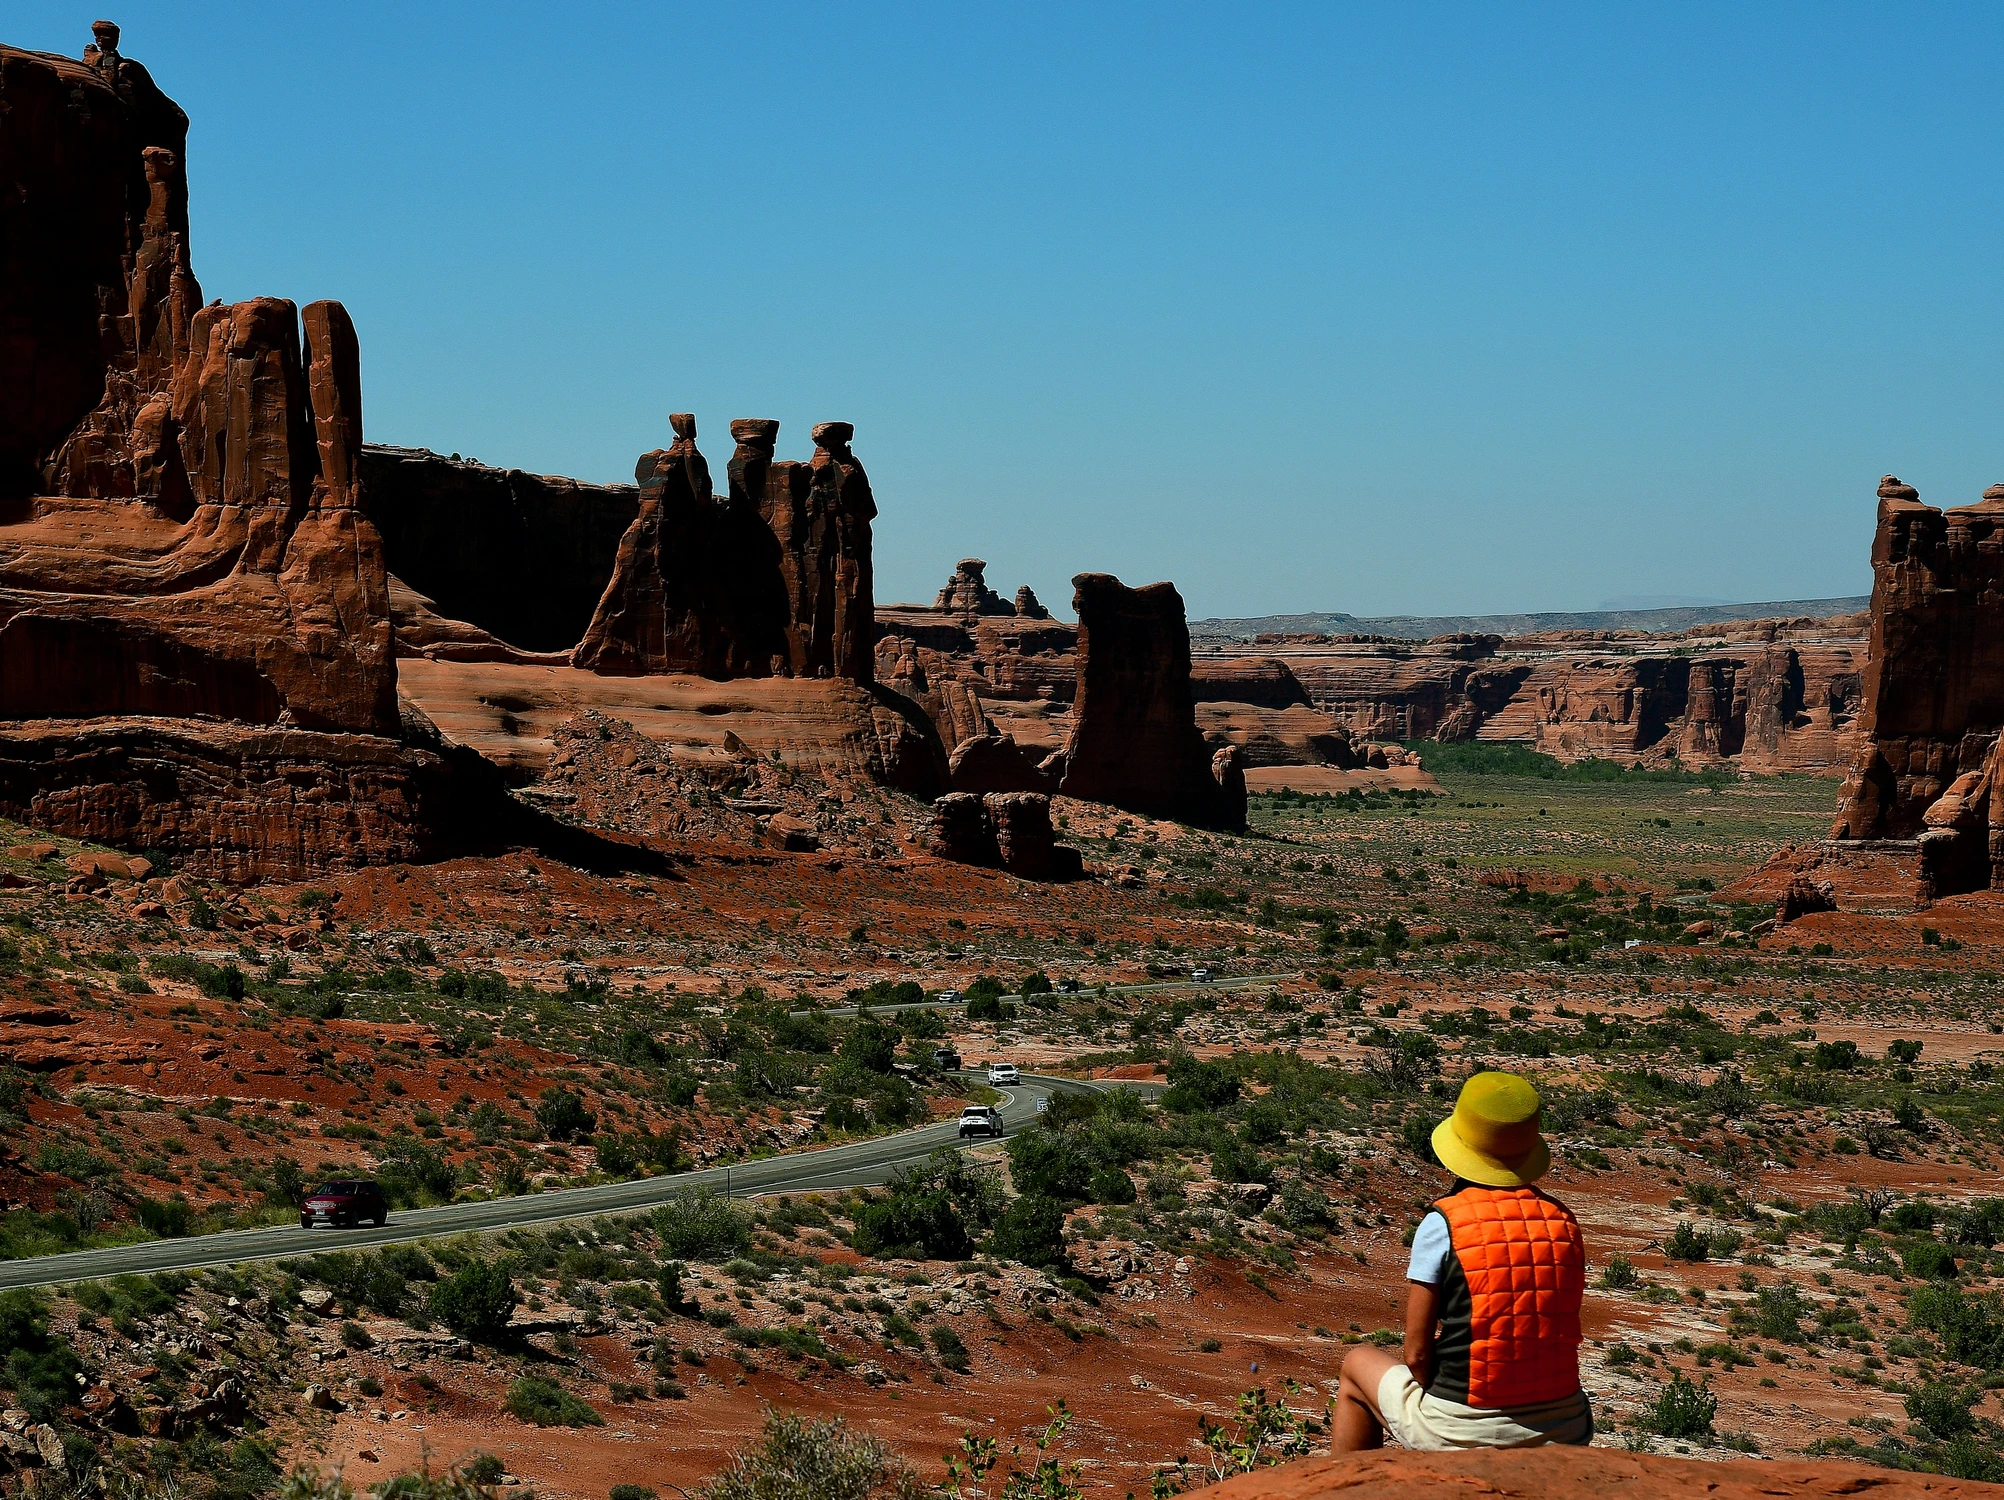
[{"x": 1566, "y": 1473}]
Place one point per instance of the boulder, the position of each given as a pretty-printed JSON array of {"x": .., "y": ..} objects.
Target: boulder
[
  {"x": 994, "y": 762},
  {"x": 962, "y": 832},
  {"x": 1003, "y": 830}
]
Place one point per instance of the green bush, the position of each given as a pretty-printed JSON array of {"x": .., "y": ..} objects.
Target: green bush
[
  {"x": 40, "y": 1371},
  {"x": 562, "y": 1115},
  {"x": 932, "y": 1211},
  {"x": 702, "y": 1224},
  {"x": 1031, "y": 1230},
  {"x": 630, "y": 1492},
  {"x": 1681, "y": 1409},
  {"x": 946, "y": 1343},
  {"x": 798, "y": 1458},
  {"x": 1943, "y": 1408},
  {"x": 166, "y": 1217},
  {"x": 1198, "y": 1085},
  {"x": 476, "y": 1301},
  {"x": 544, "y": 1403},
  {"x": 1929, "y": 1260},
  {"x": 1111, "y": 1185},
  {"x": 1970, "y": 1328}
]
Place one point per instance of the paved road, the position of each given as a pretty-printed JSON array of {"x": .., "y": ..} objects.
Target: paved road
[
  {"x": 1236, "y": 982},
  {"x": 857, "y": 1164}
]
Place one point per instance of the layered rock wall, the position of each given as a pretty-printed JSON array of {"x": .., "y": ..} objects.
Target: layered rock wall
[
  {"x": 1934, "y": 690},
  {"x": 523, "y": 557}
]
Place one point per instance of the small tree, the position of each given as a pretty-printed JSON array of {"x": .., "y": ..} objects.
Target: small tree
[
  {"x": 476, "y": 1301},
  {"x": 1031, "y": 1231},
  {"x": 1682, "y": 1410},
  {"x": 797, "y": 1456},
  {"x": 563, "y": 1116}
]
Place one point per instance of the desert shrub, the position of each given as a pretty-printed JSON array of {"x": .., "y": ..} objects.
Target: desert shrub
[
  {"x": 798, "y": 1458},
  {"x": 1970, "y": 1328},
  {"x": 1687, "y": 1242},
  {"x": 946, "y": 1343},
  {"x": 166, "y": 1217},
  {"x": 932, "y": 1211},
  {"x": 871, "y": 1047},
  {"x": 562, "y": 1115},
  {"x": 1836, "y": 1057},
  {"x": 1197, "y": 1085},
  {"x": 1681, "y": 1409},
  {"x": 544, "y": 1403},
  {"x": 39, "y": 1370},
  {"x": 702, "y": 1224},
  {"x": 1930, "y": 1260},
  {"x": 1031, "y": 1230},
  {"x": 1619, "y": 1274},
  {"x": 1052, "y": 1160},
  {"x": 476, "y": 1302},
  {"x": 1943, "y": 1408},
  {"x": 1111, "y": 1185},
  {"x": 638, "y": 1049}
]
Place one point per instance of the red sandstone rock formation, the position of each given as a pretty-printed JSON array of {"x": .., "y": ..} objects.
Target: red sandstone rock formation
[
  {"x": 1934, "y": 689},
  {"x": 968, "y": 593},
  {"x": 523, "y": 558},
  {"x": 95, "y": 290},
  {"x": 1134, "y": 741},
  {"x": 1003, "y": 830},
  {"x": 771, "y": 579},
  {"x": 1560, "y": 1473}
]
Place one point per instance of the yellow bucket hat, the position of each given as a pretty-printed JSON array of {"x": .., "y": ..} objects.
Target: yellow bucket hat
[{"x": 1492, "y": 1136}]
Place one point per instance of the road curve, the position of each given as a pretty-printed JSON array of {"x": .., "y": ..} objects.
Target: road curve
[{"x": 855, "y": 1164}]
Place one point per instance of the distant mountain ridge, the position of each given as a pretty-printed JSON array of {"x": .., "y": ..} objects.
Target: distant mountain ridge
[{"x": 1423, "y": 627}]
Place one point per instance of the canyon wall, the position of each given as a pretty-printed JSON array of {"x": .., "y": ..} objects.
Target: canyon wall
[{"x": 522, "y": 557}]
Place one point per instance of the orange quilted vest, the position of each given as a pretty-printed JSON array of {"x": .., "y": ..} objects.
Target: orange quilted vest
[{"x": 1509, "y": 1300}]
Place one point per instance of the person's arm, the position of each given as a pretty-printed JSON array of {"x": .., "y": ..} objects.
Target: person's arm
[{"x": 1422, "y": 1309}]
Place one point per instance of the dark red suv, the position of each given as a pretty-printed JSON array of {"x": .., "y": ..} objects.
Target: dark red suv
[{"x": 347, "y": 1202}]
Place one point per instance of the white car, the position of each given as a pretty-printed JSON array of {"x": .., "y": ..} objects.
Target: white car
[
  {"x": 947, "y": 997},
  {"x": 980, "y": 1119},
  {"x": 1201, "y": 976},
  {"x": 1003, "y": 1075}
]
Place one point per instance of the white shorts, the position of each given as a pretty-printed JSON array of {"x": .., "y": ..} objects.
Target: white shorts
[{"x": 1429, "y": 1424}]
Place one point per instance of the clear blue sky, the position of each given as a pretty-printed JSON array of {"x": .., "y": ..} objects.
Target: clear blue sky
[{"x": 1401, "y": 308}]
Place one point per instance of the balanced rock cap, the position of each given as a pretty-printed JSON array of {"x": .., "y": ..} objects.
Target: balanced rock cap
[
  {"x": 684, "y": 423},
  {"x": 1892, "y": 487},
  {"x": 833, "y": 434},
  {"x": 1995, "y": 492},
  {"x": 759, "y": 432}
]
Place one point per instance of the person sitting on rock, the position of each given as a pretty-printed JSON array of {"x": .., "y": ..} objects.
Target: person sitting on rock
[{"x": 1492, "y": 1302}]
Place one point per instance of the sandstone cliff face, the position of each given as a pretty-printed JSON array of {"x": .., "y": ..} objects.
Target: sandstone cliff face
[
  {"x": 523, "y": 557},
  {"x": 95, "y": 290},
  {"x": 1934, "y": 690},
  {"x": 771, "y": 579},
  {"x": 1134, "y": 741},
  {"x": 1771, "y": 695},
  {"x": 195, "y": 642}
]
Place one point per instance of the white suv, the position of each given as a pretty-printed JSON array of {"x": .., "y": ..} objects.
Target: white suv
[
  {"x": 980, "y": 1119},
  {"x": 1003, "y": 1075}
]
